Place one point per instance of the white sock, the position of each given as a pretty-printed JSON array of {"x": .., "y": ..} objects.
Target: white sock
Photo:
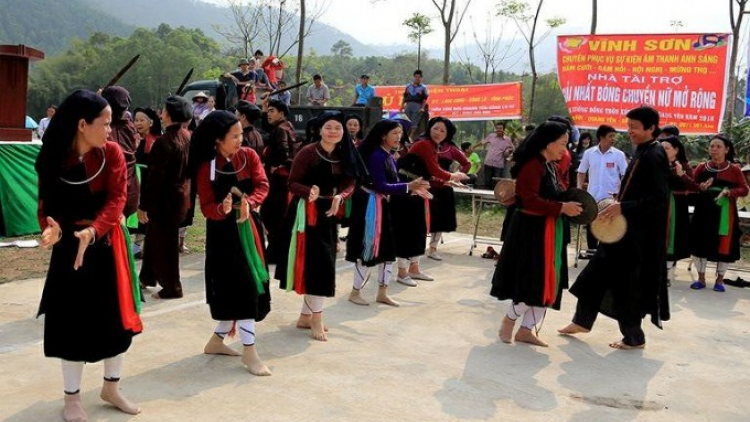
[
  {"x": 113, "y": 368},
  {"x": 247, "y": 331},
  {"x": 533, "y": 317},
  {"x": 72, "y": 374},
  {"x": 360, "y": 275},
  {"x": 312, "y": 304},
  {"x": 700, "y": 264},
  {"x": 385, "y": 273},
  {"x": 721, "y": 268},
  {"x": 516, "y": 310},
  {"x": 223, "y": 328},
  {"x": 435, "y": 239}
]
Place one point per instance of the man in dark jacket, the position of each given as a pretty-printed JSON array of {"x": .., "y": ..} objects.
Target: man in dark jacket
[
  {"x": 249, "y": 113},
  {"x": 277, "y": 158},
  {"x": 166, "y": 200},
  {"x": 625, "y": 280}
]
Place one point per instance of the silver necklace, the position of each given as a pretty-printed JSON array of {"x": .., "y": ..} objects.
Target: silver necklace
[
  {"x": 244, "y": 164},
  {"x": 83, "y": 182},
  {"x": 326, "y": 158}
]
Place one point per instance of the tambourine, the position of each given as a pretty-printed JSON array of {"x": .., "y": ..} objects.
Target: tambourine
[
  {"x": 505, "y": 191},
  {"x": 589, "y": 205},
  {"x": 611, "y": 230}
]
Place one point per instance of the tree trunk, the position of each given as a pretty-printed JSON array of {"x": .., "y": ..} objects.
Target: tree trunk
[
  {"x": 593, "y": 16},
  {"x": 300, "y": 49},
  {"x": 447, "y": 56},
  {"x": 532, "y": 62},
  {"x": 419, "y": 51},
  {"x": 732, "y": 94}
]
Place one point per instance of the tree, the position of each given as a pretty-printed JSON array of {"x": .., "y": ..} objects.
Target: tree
[
  {"x": 451, "y": 16},
  {"x": 492, "y": 51},
  {"x": 342, "y": 49},
  {"x": 736, "y": 24},
  {"x": 247, "y": 27},
  {"x": 520, "y": 12},
  {"x": 420, "y": 26},
  {"x": 594, "y": 7}
]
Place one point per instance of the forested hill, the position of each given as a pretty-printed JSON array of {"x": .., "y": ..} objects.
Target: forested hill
[{"x": 50, "y": 25}]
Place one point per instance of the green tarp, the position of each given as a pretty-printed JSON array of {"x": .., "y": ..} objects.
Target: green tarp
[{"x": 18, "y": 189}]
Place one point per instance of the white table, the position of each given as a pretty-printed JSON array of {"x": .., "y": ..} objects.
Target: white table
[{"x": 479, "y": 198}]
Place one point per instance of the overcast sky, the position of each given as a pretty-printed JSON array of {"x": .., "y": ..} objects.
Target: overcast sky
[{"x": 381, "y": 21}]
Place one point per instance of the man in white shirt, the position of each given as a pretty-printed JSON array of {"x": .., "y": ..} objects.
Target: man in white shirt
[
  {"x": 605, "y": 166},
  {"x": 45, "y": 121}
]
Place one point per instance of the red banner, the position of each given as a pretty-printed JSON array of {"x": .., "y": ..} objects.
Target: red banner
[
  {"x": 684, "y": 76},
  {"x": 463, "y": 102}
]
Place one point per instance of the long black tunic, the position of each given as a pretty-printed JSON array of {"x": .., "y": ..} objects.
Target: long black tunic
[{"x": 626, "y": 279}]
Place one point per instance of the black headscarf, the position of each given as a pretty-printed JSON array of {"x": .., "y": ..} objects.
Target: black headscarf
[
  {"x": 58, "y": 139},
  {"x": 155, "y": 120},
  {"x": 203, "y": 142},
  {"x": 374, "y": 138},
  {"x": 545, "y": 134},
  {"x": 449, "y": 126},
  {"x": 119, "y": 99},
  {"x": 179, "y": 109},
  {"x": 675, "y": 142},
  {"x": 353, "y": 164}
]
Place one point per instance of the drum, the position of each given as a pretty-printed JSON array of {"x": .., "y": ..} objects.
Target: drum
[
  {"x": 611, "y": 230},
  {"x": 589, "y": 205},
  {"x": 505, "y": 191}
]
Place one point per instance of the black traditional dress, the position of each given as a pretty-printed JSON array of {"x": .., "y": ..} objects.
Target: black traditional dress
[
  {"x": 678, "y": 235},
  {"x": 310, "y": 236},
  {"x": 371, "y": 217},
  {"x": 715, "y": 229},
  {"x": 443, "y": 203},
  {"x": 236, "y": 271},
  {"x": 533, "y": 264},
  {"x": 90, "y": 313}
]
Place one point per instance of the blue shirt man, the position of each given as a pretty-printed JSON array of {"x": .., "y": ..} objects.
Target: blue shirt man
[{"x": 363, "y": 92}]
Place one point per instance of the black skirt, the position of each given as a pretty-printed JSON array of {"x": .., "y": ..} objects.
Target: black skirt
[
  {"x": 231, "y": 290},
  {"x": 442, "y": 210},
  {"x": 320, "y": 250},
  {"x": 520, "y": 271},
  {"x": 681, "y": 248},
  {"x": 354, "y": 240},
  {"x": 704, "y": 231},
  {"x": 409, "y": 225},
  {"x": 82, "y": 321}
]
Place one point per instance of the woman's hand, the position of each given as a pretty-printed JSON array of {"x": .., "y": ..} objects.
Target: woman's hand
[
  {"x": 226, "y": 204},
  {"x": 85, "y": 238},
  {"x": 335, "y": 204},
  {"x": 707, "y": 184},
  {"x": 571, "y": 209},
  {"x": 51, "y": 235},
  {"x": 314, "y": 193},
  {"x": 418, "y": 183},
  {"x": 142, "y": 216},
  {"x": 244, "y": 210},
  {"x": 724, "y": 193},
  {"x": 678, "y": 169},
  {"x": 458, "y": 177}
]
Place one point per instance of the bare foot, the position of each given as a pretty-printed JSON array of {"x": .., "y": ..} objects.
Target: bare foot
[
  {"x": 356, "y": 298},
  {"x": 304, "y": 322},
  {"x": 573, "y": 328},
  {"x": 216, "y": 346},
  {"x": 383, "y": 297},
  {"x": 506, "y": 330},
  {"x": 317, "y": 327},
  {"x": 622, "y": 346},
  {"x": 252, "y": 362},
  {"x": 524, "y": 335},
  {"x": 111, "y": 394},
  {"x": 73, "y": 410}
]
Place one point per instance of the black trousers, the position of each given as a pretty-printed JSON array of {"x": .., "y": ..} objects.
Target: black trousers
[
  {"x": 632, "y": 333},
  {"x": 161, "y": 258}
]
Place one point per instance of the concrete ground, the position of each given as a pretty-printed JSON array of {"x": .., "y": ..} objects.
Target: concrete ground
[{"x": 436, "y": 358}]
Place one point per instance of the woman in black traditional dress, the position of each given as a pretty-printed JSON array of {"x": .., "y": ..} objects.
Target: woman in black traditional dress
[
  {"x": 443, "y": 206},
  {"x": 148, "y": 125},
  {"x": 680, "y": 186},
  {"x": 231, "y": 185},
  {"x": 536, "y": 231},
  {"x": 90, "y": 297},
  {"x": 715, "y": 228},
  {"x": 322, "y": 176},
  {"x": 370, "y": 242}
]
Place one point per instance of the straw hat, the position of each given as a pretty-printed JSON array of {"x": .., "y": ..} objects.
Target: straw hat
[{"x": 200, "y": 95}]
